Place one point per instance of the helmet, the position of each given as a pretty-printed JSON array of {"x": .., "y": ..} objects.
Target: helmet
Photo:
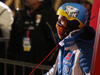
[{"x": 74, "y": 11}]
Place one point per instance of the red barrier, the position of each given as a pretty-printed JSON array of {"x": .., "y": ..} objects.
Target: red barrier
[{"x": 95, "y": 66}]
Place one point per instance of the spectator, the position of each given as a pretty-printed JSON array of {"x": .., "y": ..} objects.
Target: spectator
[
  {"x": 32, "y": 33},
  {"x": 6, "y": 20},
  {"x": 76, "y": 41},
  {"x": 88, "y": 6}
]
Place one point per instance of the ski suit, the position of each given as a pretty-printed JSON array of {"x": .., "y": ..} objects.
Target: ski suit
[{"x": 75, "y": 59}]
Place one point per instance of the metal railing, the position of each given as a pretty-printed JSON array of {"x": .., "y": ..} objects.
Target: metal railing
[
  {"x": 5, "y": 40},
  {"x": 6, "y": 61},
  {"x": 23, "y": 64}
]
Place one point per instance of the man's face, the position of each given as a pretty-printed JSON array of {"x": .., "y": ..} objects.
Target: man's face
[
  {"x": 61, "y": 26},
  {"x": 87, "y": 6},
  {"x": 30, "y": 3},
  {"x": 62, "y": 20}
]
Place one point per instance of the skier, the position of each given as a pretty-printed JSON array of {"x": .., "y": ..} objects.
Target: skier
[{"x": 75, "y": 39}]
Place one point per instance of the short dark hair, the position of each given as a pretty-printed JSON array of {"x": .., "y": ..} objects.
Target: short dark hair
[{"x": 87, "y": 2}]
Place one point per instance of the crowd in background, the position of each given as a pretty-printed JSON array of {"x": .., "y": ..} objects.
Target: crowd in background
[{"x": 33, "y": 32}]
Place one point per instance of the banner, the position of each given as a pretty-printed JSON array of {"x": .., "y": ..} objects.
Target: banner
[{"x": 95, "y": 66}]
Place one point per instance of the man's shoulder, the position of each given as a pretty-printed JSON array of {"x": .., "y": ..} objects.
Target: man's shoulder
[{"x": 2, "y": 5}]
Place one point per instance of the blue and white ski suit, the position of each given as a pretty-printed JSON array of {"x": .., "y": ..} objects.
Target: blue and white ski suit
[{"x": 75, "y": 59}]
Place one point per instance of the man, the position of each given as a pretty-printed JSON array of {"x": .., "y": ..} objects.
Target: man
[
  {"x": 76, "y": 41},
  {"x": 6, "y": 19},
  {"x": 32, "y": 35},
  {"x": 88, "y": 6}
]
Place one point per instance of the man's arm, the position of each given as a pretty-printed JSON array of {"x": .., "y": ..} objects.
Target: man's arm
[{"x": 6, "y": 20}]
